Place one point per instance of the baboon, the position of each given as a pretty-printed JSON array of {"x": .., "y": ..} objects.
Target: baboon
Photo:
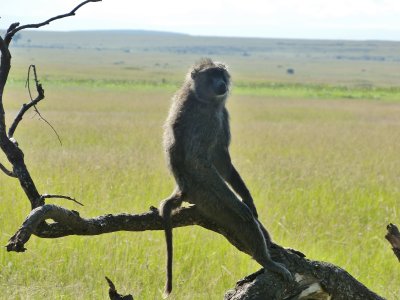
[{"x": 196, "y": 141}]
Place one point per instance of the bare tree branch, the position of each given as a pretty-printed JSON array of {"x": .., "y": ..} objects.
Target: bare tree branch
[
  {"x": 7, "y": 172},
  {"x": 33, "y": 102},
  {"x": 330, "y": 280},
  {"x": 113, "y": 294},
  {"x": 35, "y": 78},
  {"x": 14, "y": 154},
  {"x": 69, "y": 222},
  {"x": 25, "y": 107},
  {"x": 14, "y": 28},
  {"x": 47, "y": 196},
  {"x": 393, "y": 236},
  {"x": 5, "y": 65}
]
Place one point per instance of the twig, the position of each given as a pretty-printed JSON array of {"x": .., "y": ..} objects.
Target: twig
[
  {"x": 27, "y": 84},
  {"x": 14, "y": 28},
  {"x": 47, "y": 196},
  {"x": 113, "y": 294},
  {"x": 7, "y": 172},
  {"x": 393, "y": 236},
  {"x": 25, "y": 107},
  {"x": 12, "y": 151}
]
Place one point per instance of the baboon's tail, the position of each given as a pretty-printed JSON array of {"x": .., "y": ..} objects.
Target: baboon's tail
[{"x": 165, "y": 212}]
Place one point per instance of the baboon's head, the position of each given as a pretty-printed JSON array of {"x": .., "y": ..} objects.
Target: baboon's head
[{"x": 210, "y": 81}]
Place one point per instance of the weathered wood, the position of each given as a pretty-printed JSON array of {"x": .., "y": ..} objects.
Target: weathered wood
[{"x": 9, "y": 146}]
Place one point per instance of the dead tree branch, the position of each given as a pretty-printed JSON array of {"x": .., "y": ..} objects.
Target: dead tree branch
[
  {"x": 393, "y": 236},
  {"x": 113, "y": 294},
  {"x": 7, "y": 172},
  {"x": 319, "y": 277},
  {"x": 25, "y": 107},
  {"x": 14, "y": 28},
  {"x": 47, "y": 196},
  {"x": 9, "y": 146},
  {"x": 38, "y": 88}
]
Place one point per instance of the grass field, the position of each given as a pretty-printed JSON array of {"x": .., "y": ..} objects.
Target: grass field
[{"x": 319, "y": 152}]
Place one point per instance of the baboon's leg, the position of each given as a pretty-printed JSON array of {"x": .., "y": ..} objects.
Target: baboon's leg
[
  {"x": 248, "y": 233},
  {"x": 166, "y": 208}
]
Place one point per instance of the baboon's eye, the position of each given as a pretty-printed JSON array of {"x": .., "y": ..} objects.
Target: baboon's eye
[{"x": 216, "y": 74}]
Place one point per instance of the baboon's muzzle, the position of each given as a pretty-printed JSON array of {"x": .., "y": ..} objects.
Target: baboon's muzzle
[{"x": 220, "y": 88}]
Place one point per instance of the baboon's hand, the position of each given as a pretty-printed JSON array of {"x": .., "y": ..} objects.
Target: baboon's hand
[
  {"x": 243, "y": 211},
  {"x": 280, "y": 269}
]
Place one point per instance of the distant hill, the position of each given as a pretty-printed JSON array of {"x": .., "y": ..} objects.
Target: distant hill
[
  {"x": 165, "y": 56},
  {"x": 169, "y": 42},
  {"x": 130, "y": 32}
]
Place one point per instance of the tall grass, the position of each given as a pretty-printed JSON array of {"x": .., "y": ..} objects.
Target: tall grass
[{"x": 325, "y": 176}]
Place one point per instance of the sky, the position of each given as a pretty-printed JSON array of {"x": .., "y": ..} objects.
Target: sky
[{"x": 311, "y": 19}]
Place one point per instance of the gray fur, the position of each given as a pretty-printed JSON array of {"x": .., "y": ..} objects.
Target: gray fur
[{"x": 196, "y": 141}]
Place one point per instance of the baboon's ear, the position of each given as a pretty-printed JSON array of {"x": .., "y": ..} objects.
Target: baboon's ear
[{"x": 193, "y": 74}]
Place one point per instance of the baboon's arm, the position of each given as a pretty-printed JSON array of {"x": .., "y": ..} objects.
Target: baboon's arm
[
  {"x": 237, "y": 183},
  {"x": 224, "y": 165}
]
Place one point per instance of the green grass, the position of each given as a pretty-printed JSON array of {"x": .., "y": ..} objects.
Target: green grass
[
  {"x": 324, "y": 175},
  {"x": 243, "y": 88},
  {"x": 320, "y": 157}
]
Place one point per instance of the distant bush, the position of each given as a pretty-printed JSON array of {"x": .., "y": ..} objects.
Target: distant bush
[{"x": 290, "y": 71}]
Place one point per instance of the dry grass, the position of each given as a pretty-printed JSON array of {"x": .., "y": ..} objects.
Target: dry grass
[{"x": 324, "y": 174}]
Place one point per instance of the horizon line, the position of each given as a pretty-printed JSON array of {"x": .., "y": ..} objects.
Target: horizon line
[{"x": 214, "y": 36}]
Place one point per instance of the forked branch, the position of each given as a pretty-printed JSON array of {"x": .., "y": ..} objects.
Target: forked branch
[
  {"x": 26, "y": 106},
  {"x": 14, "y": 28},
  {"x": 7, "y": 172},
  {"x": 8, "y": 145}
]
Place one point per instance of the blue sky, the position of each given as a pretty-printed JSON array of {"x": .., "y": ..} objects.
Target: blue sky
[{"x": 333, "y": 19}]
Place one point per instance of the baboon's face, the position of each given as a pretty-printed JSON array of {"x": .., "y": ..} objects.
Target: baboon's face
[{"x": 211, "y": 84}]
